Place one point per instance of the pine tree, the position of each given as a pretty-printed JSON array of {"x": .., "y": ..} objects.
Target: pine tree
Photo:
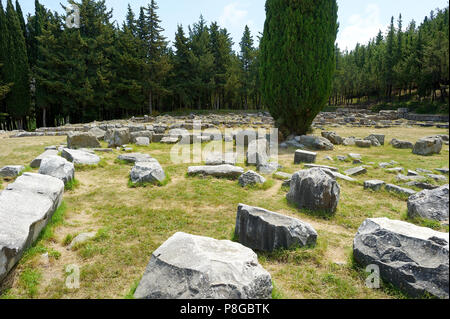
[
  {"x": 156, "y": 58},
  {"x": 221, "y": 49},
  {"x": 247, "y": 56},
  {"x": 181, "y": 69},
  {"x": 390, "y": 59},
  {"x": 127, "y": 68},
  {"x": 130, "y": 22},
  {"x": 297, "y": 60},
  {"x": 202, "y": 63}
]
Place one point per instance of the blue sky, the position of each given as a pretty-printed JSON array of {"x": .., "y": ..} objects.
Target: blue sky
[{"x": 359, "y": 20}]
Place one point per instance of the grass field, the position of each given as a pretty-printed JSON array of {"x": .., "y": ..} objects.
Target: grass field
[{"x": 132, "y": 222}]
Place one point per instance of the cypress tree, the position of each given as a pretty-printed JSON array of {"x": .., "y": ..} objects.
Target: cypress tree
[
  {"x": 297, "y": 60},
  {"x": 17, "y": 69},
  {"x": 4, "y": 38},
  {"x": 21, "y": 19},
  {"x": 4, "y": 87}
]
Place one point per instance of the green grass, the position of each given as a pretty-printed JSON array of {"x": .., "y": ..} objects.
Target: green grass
[
  {"x": 132, "y": 222},
  {"x": 29, "y": 281},
  {"x": 276, "y": 293},
  {"x": 71, "y": 185},
  {"x": 149, "y": 184},
  {"x": 85, "y": 167},
  {"x": 130, "y": 294},
  {"x": 424, "y": 222},
  {"x": 261, "y": 186},
  {"x": 122, "y": 162}
]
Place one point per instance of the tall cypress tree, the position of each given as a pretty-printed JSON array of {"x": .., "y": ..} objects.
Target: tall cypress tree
[
  {"x": 21, "y": 19},
  {"x": 297, "y": 60},
  {"x": 4, "y": 38},
  {"x": 4, "y": 88},
  {"x": 17, "y": 69}
]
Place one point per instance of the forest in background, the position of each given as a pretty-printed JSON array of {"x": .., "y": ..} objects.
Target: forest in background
[
  {"x": 407, "y": 64},
  {"x": 51, "y": 74}
]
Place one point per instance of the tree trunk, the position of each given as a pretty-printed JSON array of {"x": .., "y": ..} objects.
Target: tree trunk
[
  {"x": 150, "y": 105},
  {"x": 44, "y": 115}
]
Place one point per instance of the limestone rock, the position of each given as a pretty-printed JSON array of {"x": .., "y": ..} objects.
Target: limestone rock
[
  {"x": 356, "y": 171},
  {"x": 304, "y": 157},
  {"x": 118, "y": 137},
  {"x": 82, "y": 140},
  {"x": 80, "y": 157},
  {"x": 315, "y": 142},
  {"x": 98, "y": 133},
  {"x": 11, "y": 170},
  {"x": 227, "y": 171},
  {"x": 142, "y": 141},
  {"x": 399, "y": 190},
  {"x": 26, "y": 206},
  {"x": 333, "y": 138},
  {"x": 58, "y": 167},
  {"x": 414, "y": 259},
  {"x": 428, "y": 146},
  {"x": 195, "y": 267},
  {"x": 430, "y": 204},
  {"x": 264, "y": 230},
  {"x": 218, "y": 158},
  {"x": 37, "y": 161},
  {"x": 375, "y": 185},
  {"x": 401, "y": 144},
  {"x": 147, "y": 172},
  {"x": 135, "y": 157},
  {"x": 251, "y": 178},
  {"x": 363, "y": 143},
  {"x": 314, "y": 189}
]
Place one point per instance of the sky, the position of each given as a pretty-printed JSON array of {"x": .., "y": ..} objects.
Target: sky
[{"x": 359, "y": 20}]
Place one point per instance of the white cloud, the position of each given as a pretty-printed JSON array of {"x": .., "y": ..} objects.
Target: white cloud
[
  {"x": 233, "y": 16},
  {"x": 360, "y": 28}
]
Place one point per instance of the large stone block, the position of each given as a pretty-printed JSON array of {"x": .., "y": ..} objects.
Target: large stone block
[
  {"x": 430, "y": 204},
  {"x": 195, "y": 267},
  {"x": 264, "y": 230},
  {"x": 26, "y": 206},
  {"x": 77, "y": 140},
  {"x": 412, "y": 258},
  {"x": 227, "y": 171},
  {"x": 314, "y": 189},
  {"x": 428, "y": 146}
]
